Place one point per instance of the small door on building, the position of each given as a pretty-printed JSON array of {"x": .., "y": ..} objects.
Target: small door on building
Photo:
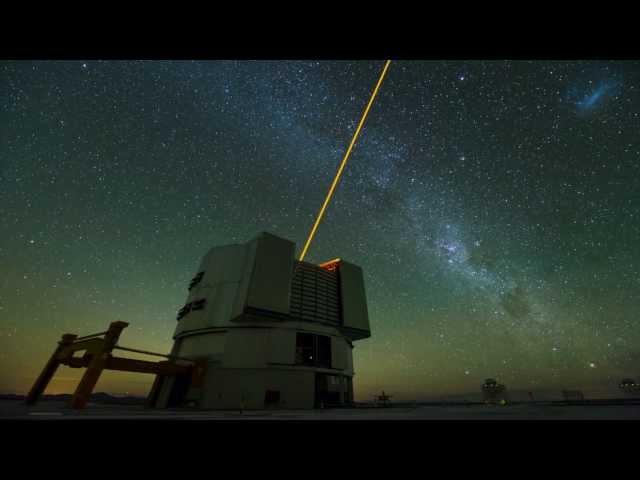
[
  {"x": 271, "y": 398},
  {"x": 349, "y": 391},
  {"x": 327, "y": 394},
  {"x": 321, "y": 389}
]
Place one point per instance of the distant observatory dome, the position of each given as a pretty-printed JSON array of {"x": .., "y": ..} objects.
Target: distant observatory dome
[
  {"x": 493, "y": 392},
  {"x": 629, "y": 385}
]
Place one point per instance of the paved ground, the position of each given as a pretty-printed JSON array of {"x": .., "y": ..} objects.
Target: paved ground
[{"x": 10, "y": 409}]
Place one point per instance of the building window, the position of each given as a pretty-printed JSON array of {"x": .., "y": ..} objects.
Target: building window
[
  {"x": 313, "y": 350},
  {"x": 196, "y": 280},
  {"x": 304, "y": 349},
  {"x": 184, "y": 310},
  {"x": 199, "y": 304},
  {"x": 324, "y": 351},
  {"x": 195, "y": 305}
]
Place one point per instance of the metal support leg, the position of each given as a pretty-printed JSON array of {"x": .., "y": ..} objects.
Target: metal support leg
[
  {"x": 152, "y": 398},
  {"x": 49, "y": 370},
  {"x": 96, "y": 366}
]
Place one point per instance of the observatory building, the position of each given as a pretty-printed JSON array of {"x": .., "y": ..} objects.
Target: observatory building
[
  {"x": 629, "y": 385},
  {"x": 271, "y": 331},
  {"x": 494, "y": 392}
]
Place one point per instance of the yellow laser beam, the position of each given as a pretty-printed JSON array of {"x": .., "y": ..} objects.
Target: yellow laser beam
[{"x": 344, "y": 161}]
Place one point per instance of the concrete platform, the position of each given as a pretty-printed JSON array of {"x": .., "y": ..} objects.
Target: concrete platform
[{"x": 51, "y": 410}]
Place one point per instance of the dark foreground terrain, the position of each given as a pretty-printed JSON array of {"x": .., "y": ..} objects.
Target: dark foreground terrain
[{"x": 58, "y": 409}]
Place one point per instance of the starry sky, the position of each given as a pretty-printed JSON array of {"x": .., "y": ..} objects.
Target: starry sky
[{"x": 494, "y": 207}]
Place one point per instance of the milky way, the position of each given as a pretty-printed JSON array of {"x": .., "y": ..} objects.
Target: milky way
[{"x": 494, "y": 207}]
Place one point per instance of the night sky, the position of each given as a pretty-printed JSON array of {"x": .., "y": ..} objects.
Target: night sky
[{"x": 494, "y": 207}]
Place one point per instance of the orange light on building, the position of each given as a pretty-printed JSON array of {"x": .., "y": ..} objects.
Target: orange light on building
[{"x": 331, "y": 265}]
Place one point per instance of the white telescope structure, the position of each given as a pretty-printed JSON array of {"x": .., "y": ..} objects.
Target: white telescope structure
[{"x": 271, "y": 331}]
